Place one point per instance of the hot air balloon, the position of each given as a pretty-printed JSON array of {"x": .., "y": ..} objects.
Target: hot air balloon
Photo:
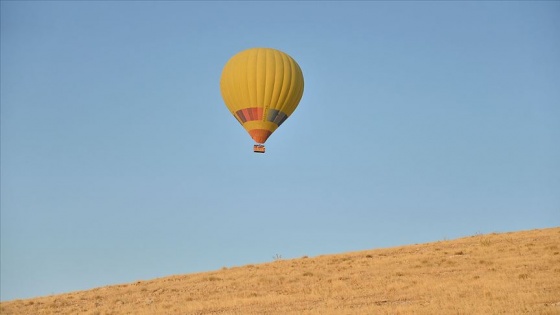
[{"x": 261, "y": 87}]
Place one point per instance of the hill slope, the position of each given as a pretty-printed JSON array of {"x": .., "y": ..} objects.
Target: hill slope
[{"x": 510, "y": 273}]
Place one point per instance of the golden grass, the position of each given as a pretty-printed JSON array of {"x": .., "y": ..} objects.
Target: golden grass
[{"x": 510, "y": 273}]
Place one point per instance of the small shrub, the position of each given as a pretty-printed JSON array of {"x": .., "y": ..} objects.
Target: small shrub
[{"x": 213, "y": 278}]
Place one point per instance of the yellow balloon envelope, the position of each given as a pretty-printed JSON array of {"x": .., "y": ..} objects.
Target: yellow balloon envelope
[{"x": 261, "y": 87}]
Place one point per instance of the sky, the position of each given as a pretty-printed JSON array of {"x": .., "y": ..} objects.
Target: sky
[{"x": 420, "y": 122}]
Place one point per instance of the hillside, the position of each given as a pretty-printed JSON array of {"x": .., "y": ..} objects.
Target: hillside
[{"x": 509, "y": 273}]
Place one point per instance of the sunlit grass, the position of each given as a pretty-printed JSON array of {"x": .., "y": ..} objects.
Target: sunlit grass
[{"x": 510, "y": 273}]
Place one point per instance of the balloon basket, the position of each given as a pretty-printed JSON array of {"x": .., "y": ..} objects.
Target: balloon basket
[{"x": 258, "y": 148}]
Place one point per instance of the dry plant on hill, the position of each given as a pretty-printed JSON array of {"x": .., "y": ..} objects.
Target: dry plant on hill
[{"x": 510, "y": 273}]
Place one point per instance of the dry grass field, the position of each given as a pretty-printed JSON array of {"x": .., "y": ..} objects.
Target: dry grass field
[{"x": 509, "y": 273}]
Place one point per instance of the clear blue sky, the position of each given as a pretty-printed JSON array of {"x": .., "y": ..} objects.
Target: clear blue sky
[{"x": 420, "y": 121}]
